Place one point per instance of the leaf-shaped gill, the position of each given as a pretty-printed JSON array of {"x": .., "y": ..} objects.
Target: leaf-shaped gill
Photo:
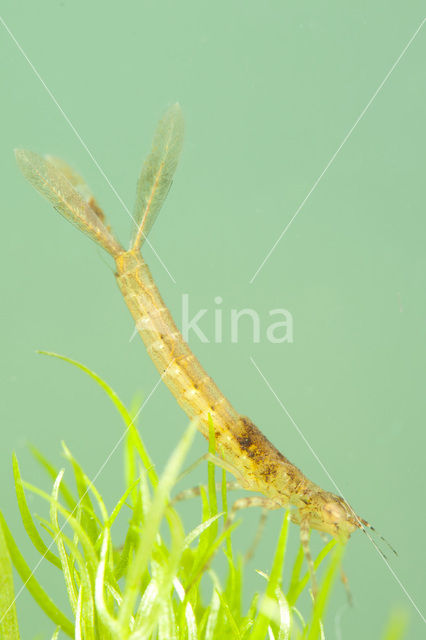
[
  {"x": 157, "y": 172},
  {"x": 55, "y": 187}
]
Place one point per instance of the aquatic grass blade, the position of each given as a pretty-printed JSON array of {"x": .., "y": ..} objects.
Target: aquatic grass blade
[
  {"x": 284, "y": 628},
  {"x": 127, "y": 418},
  {"x": 32, "y": 585},
  {"x": 78, "y": 619},
  {"x": 86, "y": 609},
  {"x": 324, "y": 591},
  {"x": 107, "y": 617},
  {"x": 396, "y": 626},
  {"x": 27, "y": 519},
  {"x": 74, "y": 565},
  {"x": 52, "y": 472},
  {"x": 234, "y": 583},
  {"x": 147, "y": 540},
  {"x": 66, "y": 569},
  {"x": 163, "y": 571},
  {"x": 293, "y": 597},
  {"x": 213, "y": 616},
  {"x": 236, "y": 631},
  {"x": 295, "y": 576},
  {"x": 86, "y": 543},
  {"x": 198, "y": 530},
  {"x": 130, "y": 450},
  {"x": 85, "y": 487},
  {"x": 262, "y": 620},
  {"x": 156, "y": 569},
  {"x": 167, "y": 629},
  {"x": 145, "y": 619},
  {"x": 278, "y": 562},
  {"x": 203, "y": 557},
  {"x": 119, "y": 505},
  {"x": 188, "y": 611},
  {"x": 8, "y": 619}
]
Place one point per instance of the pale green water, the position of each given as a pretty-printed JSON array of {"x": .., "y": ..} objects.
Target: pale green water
[{"x": 269, "y": 92}]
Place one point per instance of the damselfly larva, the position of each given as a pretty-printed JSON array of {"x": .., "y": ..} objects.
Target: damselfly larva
[{"x": 246, "y": 452}]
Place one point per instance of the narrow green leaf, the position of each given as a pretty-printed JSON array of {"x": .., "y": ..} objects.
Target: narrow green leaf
[
  {"x": 27, "y": 519},
  {"x": 202, "y": 560},
  {"x": 325, "y": 591},
  {"x": 146, "y": 617},
  {"x": 128, "y": 420},
  {"x": 285, "y": 615},
  {"x": 164, "y": 574},
  {"x": 53, "y": 471},
  {"x": 37, "y": 592},
  {"x": 190, "y": 619},
  {"x": 115, "y": 512},
  {"x": 262, "y": 620},
  {"x": 123, "y": 555},
  {"x": 167, "y": 626},
  {"x": 90, "y": 486},
  {"x": 66, "y": 570},
  {"x": 213, "y": 616},
  {"x": 397, "y": 625},
  {"x": 78, "y": 566},
  {"x": 205, "y": 540},
  {"x": 108, "y": 619},
  {"x": 84, "y": 487},
  {"x": 278, "y": 563},
  {"x": 192, "y": 535},
  {"x": 236, "y": 632},
  {"x": 295, "y": 576},
  {"x": 8, "y": 620},
  {"x": 149, "y": 534},
  {"x": 234, "y": 583},
  {"x": 79, "y": 624},
  {"x": 83, "y": 538},
  {"x": 130, "y": 450},
  {"x": 304, "y": 581}
]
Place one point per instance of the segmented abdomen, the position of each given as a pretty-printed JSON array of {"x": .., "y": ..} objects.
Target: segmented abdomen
[{"x": 192, "y": 387}]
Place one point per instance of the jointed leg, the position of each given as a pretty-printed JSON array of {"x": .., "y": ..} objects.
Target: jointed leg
[
  {"x": 251, "y": 501},
  {"x": 304, "y": 539},
  {"x": 194, "y": 492},
  {"x": 260, "y": 529}
]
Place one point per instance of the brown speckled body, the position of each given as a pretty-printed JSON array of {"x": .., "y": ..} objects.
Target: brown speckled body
[
  {"x": 248, "y": 454},
  {"x": 257, "y": 464}
]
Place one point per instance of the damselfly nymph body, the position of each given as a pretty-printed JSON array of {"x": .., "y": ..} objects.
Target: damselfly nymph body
[{"x": 246, "y": 452}]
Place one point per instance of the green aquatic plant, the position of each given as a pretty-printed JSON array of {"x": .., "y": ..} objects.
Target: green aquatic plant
[{"x": 150, "y": 585}]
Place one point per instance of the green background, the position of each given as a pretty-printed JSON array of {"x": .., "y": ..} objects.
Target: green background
[{"x": 269, "y": 92}]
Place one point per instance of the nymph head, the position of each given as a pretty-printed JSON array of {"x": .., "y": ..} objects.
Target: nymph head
[
  {"x": 333, "y": 515},
  {"x": 336, "y": 517}
]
